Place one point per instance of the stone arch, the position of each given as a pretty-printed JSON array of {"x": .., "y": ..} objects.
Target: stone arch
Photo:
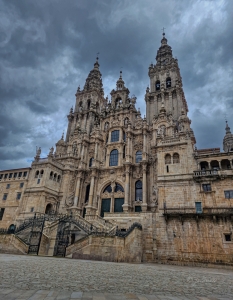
[{"x": 48, "y": 208}]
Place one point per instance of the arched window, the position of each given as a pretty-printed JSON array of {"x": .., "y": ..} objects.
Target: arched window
[
  {"x": 168, "y": 82},
  {"x": 58, "y": 178},
  {"x": 51, "y": 175},
  {"x": 113, "y": 161},
  {"x": 91, "y": 162},
  {"x": 41, "y": 173},
  {"x": 118, "y": 102},
  {"x": 138, "y": 190},
  {"x": 37, "y": 174},
  {"x": 138, "y": 156},
  {"x": 157, "y": 85},
  {"x": 55, "y": 177},
  {"x": 108, "y": 189},
  {"x": 118, "y": 188},
  {"x": 87, "y": 193},
  {"x": 88, "y": 104},
  {"x": 124, "y": 152},
  {"x": 176, "y": 158},
  {"x": 168, "y": 159},
  {"x": 115, "y": 136}
]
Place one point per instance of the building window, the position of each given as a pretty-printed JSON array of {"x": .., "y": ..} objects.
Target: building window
[
  {"x": 206, "y": 187},
  {"x": 138, "y": 156},
  {"x": 38, "y": 181},
  {"x": 227, "y": 237},
  {"x": 32, "y": 209},
  {"x": 36, "y": 174},
  {"x": 1, "y": 175},
  {"x": 10, "y": 175},
  {"x": 228, "y": 194},
  {"x": 58, "y": 178},
  {"x": 1, "y": 213},
  {"x": 198, "y": 207},
  {"x": 55, "y": 177},
  {"x": 4, "y": 196},
  {"x": 168, "y": 82},
  {"x": 113, "y": 158},
  {"x": 108, "y": 189},
  {"x": 8, "y": 186},
  {"x": 51, "y": 175},
  {"x": 21, "y": 184},
  {"x": 167, "y": 169},
  {"x": 18, "y": 196},
  {"x": 15, "y": 175},
  {"x": 6, "y": 175},
  {"x": 87, "y": 193},
  {"x": 115, "y": 136},
  {"x": 91, "y": 162},
  {"x": 157, "y": 85},
  {"x": 25, "y": 174},
  {"x": 20, "y": 174},
  {"x": 118, "y": 188},
  {"x": 138, "y": 190},
  {"x": 168, "y": 159},
  {"x": 41, "y": 173},
  {"x": 176, "y": 158}
]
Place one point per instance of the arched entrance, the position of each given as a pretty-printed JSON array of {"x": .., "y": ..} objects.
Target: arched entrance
[
  {"x": 112, "y": 199},
  {"x": 48, "y": 208}
]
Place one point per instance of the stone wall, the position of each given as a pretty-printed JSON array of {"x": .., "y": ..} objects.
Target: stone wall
[
  {"x": 193, "y": 242},
  {"x": 116, "y": 249},
  {"x": 9, "y": 243}
]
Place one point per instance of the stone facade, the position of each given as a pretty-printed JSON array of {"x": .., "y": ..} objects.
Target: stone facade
[{"x": 115, "y": 168}]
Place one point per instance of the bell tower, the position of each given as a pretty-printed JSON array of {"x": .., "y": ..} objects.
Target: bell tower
[{"x": 165, "y": 85}]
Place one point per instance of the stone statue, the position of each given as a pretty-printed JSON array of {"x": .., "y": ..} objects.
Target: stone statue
[
  {"x": 38, "y": 151},
  {"x": 51, "y": 151}
]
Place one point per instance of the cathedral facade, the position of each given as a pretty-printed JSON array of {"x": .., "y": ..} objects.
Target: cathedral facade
[{"x": 140, "y": 184}]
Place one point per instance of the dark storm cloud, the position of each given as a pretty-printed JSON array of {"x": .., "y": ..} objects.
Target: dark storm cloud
[{"x": 47, "y": 49}]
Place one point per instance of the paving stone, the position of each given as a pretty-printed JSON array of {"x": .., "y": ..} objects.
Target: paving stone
[{"x": 50, "y": 278}]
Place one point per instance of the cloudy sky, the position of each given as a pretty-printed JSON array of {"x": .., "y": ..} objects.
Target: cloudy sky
[{"x": 47, "y": 49}]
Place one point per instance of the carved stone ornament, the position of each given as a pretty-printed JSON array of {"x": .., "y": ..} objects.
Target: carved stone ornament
[{"x": 70, "y": 200}]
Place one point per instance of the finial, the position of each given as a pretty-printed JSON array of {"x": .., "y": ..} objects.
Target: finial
[
  {"x": 163, "y": 31},
  {"x": 62, "y": 137},
  {"x": 228, "y": 129},
  {"x": 121, "y": 73},
  {"x": 97, "y": 57}
]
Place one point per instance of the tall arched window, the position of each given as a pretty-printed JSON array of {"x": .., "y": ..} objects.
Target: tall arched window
[
  {"x": 87, "y": 193},
  {"x": 176, "y": 158},
  {"x": 88, "y": 104},
  {"x": 113, "y": 161},
  {"x": 51, "y": 175},
  {"x": 118, "y": 188},
  {"x": 115, "y": 136},
  {"x": 168, "y": 159},
  {"x": 168, "y": 82},
  {"x": 138, "y": 156},
  {"x": 138, "y": 190},
  {"x": 37, "y": 174},
  {"x": 91, "y": 162},
  {"x": 41, "y": 173},
  {"x": 157, "y": 85}
]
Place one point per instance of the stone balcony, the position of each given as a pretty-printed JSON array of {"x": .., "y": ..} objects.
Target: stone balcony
[
  {"x": 190, "y": 212},
  {"x": 212, "y": 174}
]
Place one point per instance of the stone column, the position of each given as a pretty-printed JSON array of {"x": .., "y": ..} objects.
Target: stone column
[
  {"x": 90, "y": 201},
  {"x": 77, "y": 191},
  {"x": 209, "y": 166},
  {"x": 127, "y": 188},
  {"x": 144, "y": 189}
]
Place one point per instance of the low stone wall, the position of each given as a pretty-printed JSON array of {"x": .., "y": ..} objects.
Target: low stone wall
[
  {"x": 117, "y": 249},
  {"x": 9, "y": 243}
]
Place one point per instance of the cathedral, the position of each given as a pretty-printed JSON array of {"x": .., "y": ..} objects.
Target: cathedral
[{"x": 122, "y": 187}]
